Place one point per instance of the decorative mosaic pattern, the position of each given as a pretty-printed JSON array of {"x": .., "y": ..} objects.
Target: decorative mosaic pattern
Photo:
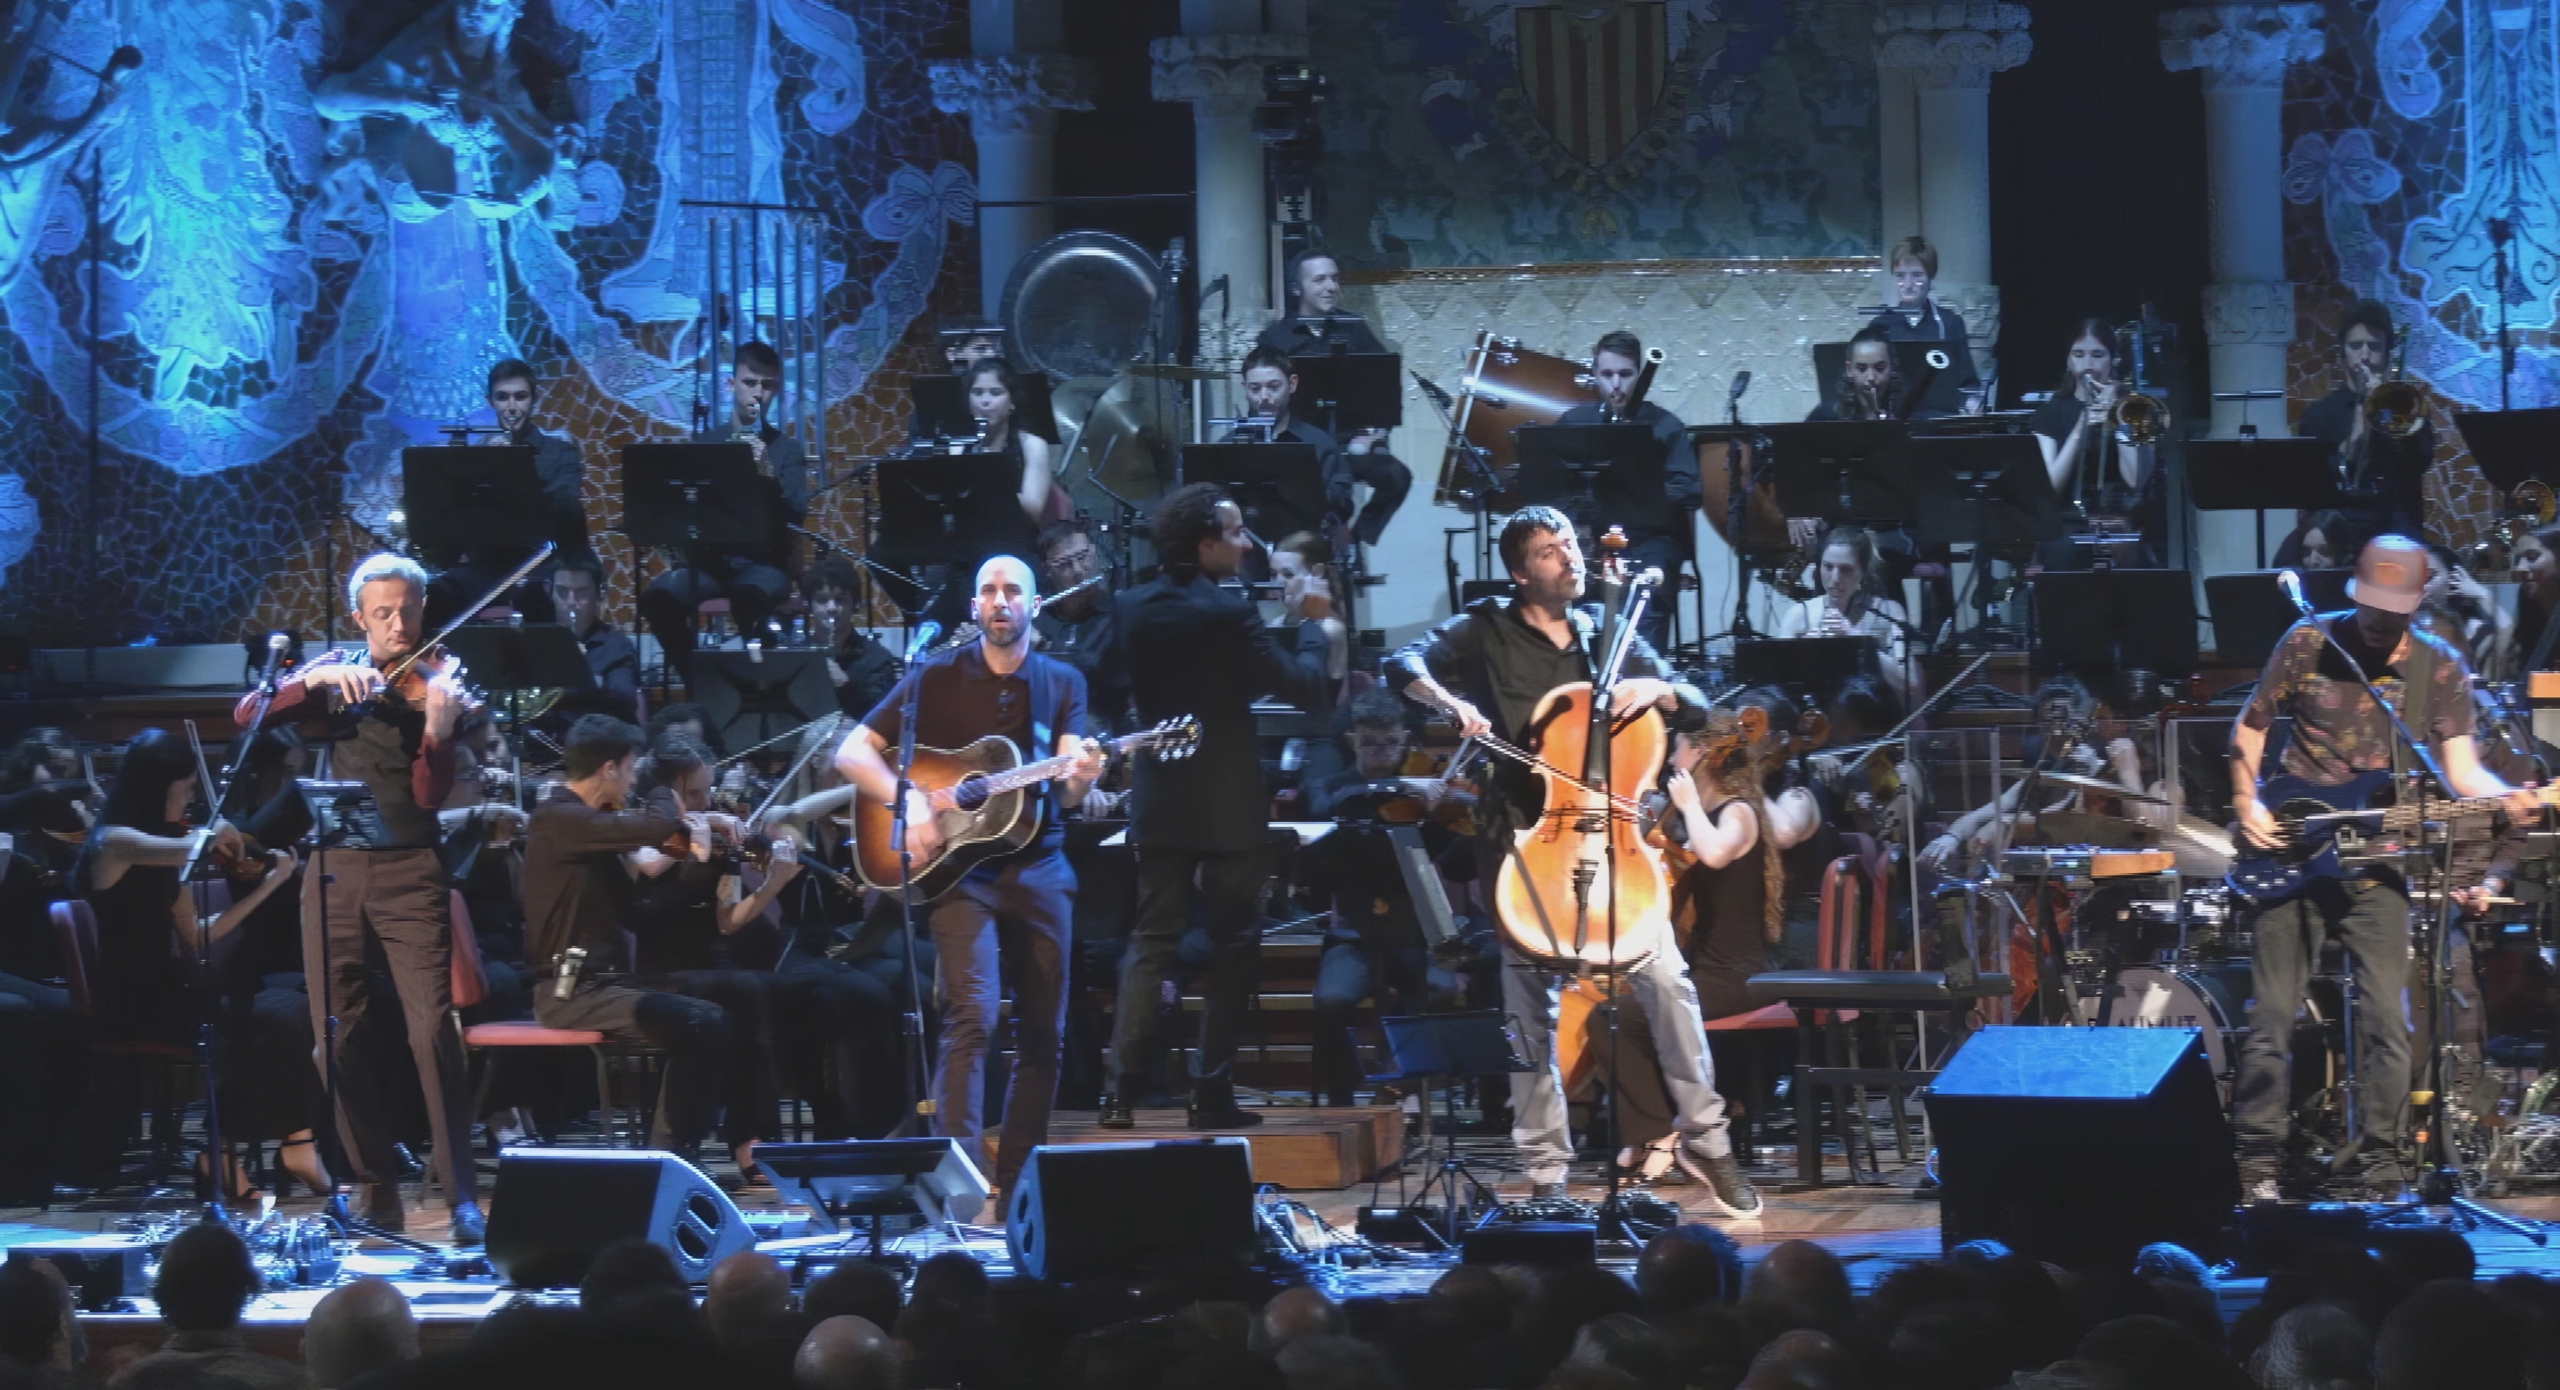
[
  {"x": 273, "y": 334},
  {"x": 2425, "y": 120},
  {"x": 1706, "y": 128}
]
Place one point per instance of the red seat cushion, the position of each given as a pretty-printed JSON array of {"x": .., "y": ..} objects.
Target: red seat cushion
[{"x": 528, "y": 1035}]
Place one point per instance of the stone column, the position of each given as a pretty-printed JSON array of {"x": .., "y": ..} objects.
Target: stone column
[
  {"x": 1947, "y": 52},
  {"x": 2242, "y": 52},
  {"x": 1013, "y": 101},
  {"x": 1220, "y": 74}
]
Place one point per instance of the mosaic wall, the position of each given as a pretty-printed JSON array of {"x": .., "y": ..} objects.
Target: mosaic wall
[
  {"x": 2426, "y": 121},
  {"x": 1497, "y": 132},
  {"x": 288, "y": 299}
]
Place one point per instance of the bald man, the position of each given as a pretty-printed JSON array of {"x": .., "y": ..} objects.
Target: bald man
[
  {"x": 360, "y": 1327},
  {"x": 846, "y": 1353},
  {"x": 1010, "y": 915},
  {"x": 744, "y": 1291}
]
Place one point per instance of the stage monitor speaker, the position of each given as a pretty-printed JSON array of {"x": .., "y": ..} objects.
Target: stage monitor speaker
[
  {"x": 2079, "y": 1146},
  {"x": 553, "y": 1209},
  {"x": 1080, "y": 1210}
]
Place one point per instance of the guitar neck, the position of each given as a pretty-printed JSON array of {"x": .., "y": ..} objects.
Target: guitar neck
[
  {"x": 1049, "y": 769},
  {"x": 2403, "y": 817}
]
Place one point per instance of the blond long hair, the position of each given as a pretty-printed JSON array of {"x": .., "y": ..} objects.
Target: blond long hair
[{"x": 1733, "y": 770}]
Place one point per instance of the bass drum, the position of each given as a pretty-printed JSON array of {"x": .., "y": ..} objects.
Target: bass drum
[
  {"x": 2214, "y": 1002},
  {"x": 1506, "y": 386}
]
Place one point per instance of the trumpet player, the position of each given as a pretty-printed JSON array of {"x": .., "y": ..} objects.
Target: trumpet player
[
  {"x": 2097, "y": 434},
  {"x": 1867, "y": 382},
  {"x": 2382, "y": 469}
]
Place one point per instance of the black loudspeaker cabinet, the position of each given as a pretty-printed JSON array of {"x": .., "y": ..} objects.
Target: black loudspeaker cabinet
[
  {"x": 553, "y": 1209},
  {"x": 2079, "y": 1146},
  {"x": 1080, "y": 1210}
]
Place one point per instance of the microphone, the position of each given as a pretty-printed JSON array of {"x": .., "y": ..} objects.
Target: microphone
[
  {"x": 1741, "y": 383},
  {"x": 277, "y": 642},
  {"x": 2291, "y": 583},
  {"x": 927, "y": 634}
]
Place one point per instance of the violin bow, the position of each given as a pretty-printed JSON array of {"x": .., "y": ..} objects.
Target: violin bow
[{"x": 397, "y": 669}]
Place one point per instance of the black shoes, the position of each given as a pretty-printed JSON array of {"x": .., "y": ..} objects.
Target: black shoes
[
  {"x": 1227, "y": 1116},
  {"x": 470, "y": 1228},
  {"x": 1116, "y": 1114}
]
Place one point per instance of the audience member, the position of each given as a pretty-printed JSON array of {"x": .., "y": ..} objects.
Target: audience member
[
  {"x": 746, "y": 1289},
  {"x": 855, "y": 1288},
  {"x": 1799, "y": 1284},
  {"x": 359, "y": 1327},
  {"x": 2318, "y": 1346},
  {"x": 37, "y": 1329},
  {"x": 2448, "y": 1334},
  {"x": 846, "y": 1353},
  {"x": 206, "y": 1279},
  {"x": 626, "y": 1269},
  {"x": 2157, "y": 1353},
  {"x": 1325, "y": 1361},
  {"x": 1688, "y": 1266},
  {"x": 1303, "y": 1311}
]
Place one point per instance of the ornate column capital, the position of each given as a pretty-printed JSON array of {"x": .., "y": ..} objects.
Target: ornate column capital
[
  {"x": 1955, "y": 43},
  {"x": 2241, "y": 47},
  {"x": 1220, "y": 73},
  {"x": 1009, "y": 93},
  {"x": 2248, "y": 311}
]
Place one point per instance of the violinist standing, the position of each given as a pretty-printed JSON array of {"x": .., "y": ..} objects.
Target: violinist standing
[
  {"x": 1487, "y": 668},
  {"x": 395, "y": 895}
]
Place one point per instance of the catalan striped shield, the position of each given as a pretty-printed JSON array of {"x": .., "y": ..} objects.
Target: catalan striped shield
[{"x": 1593, "y": 72}]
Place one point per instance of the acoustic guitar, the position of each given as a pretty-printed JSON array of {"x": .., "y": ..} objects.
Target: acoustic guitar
[{"x": 982, "y": 803}]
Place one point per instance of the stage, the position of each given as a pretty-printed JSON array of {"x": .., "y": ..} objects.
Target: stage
[{"x": 1872, "y": 1227}]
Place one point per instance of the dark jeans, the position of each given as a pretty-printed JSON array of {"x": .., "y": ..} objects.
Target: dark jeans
[
  {"x": 1389, "y": 480},
  {"x": 2372, "y": 920},
  {"x": 1230, "y": 889},
  {"x": 670, "y": 602},
  {"x": 750, "y": 1089},
  {"x": 991, "y": 928},
  {"x": 1406, "y": 981},
  {"x": 400, "y": 899},
  {"x": 692, "y": 1033},
  {"x": 843, "y": 1052}
]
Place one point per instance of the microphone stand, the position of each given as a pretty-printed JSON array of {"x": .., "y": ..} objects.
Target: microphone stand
[
  {"x": 2501, "y": 231},
  {"x": 920, "y": 1115},
  {"x": 2439, "y": 1182},
  {"x": 1620, "y": 617}
]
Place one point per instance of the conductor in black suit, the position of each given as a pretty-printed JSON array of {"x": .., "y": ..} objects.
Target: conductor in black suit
[{"x": 1185, "y": 646}]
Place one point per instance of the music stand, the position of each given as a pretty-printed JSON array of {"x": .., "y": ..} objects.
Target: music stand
[
  {"x": 1279, "y": 487},
  {"x": 1910, "y": 363},
  {"x": 483, "y": 497},
  {"x": 1841, "y": 470},
  {"x": 2262, "y": 474},
  {"x": 2119, "y": 618},
  {"x": 2512, "y": 445},
  {"x": 754, "y": 695},
  {"x": 1353, "y": 391},
  {"x": 2251, "y": 614},
  {"x": 1806, "y": 663},
  {"x": 1561, "y": 465},
  {"x": 1425, "y": 1047},
  {"x": 875, "y": 1178},
  {"x": 926, "y": 501},
  {"x": 695, "y": 494}
]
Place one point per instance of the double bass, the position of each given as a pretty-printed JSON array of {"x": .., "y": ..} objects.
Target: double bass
[{"x": 1581, "y": 888}]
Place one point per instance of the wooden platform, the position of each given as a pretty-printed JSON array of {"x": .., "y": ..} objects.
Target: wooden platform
[{"x": 1296, "y": 1147}]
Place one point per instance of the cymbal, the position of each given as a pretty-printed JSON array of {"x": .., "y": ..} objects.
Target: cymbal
[
  {"x": 2204, "y": 849},
  {"x": 1170, "y": 371},
  {"x": 2088, "y": 784},
  {"x": 2095, "y": 831}
]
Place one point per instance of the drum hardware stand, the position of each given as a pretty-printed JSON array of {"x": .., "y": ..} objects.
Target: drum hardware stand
[
  {"x": 923, "y": 1115},
  {"x": 1477, "y": 462}
]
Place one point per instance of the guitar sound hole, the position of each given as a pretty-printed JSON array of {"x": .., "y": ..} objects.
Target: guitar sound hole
[{"x": 971, "y": 793}]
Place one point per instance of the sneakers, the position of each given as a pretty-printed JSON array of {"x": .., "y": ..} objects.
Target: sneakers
[
  {"x": 1728, "y": 1191},
  {"x": 1654, "y": 1162},
  {"x": 1116, "y": 1114},
  {"x": 1546, "y": 1192},
  {"x": 2259, "y": 1183},
  {"x": 470, "y": 1228}
]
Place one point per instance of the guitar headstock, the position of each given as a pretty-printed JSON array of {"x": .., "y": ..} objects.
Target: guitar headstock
[{"x": 1174, "y": 739}]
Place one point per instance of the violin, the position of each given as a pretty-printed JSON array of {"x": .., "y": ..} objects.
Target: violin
[
  {"x": 248, "y": 862},
  {"x": 1582, "y": 889}
]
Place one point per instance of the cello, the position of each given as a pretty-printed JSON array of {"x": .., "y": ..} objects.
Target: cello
[{"x": 1581, "y": 888}]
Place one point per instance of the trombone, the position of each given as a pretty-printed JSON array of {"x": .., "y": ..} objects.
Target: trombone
[{"x": 2396, "y": 407}]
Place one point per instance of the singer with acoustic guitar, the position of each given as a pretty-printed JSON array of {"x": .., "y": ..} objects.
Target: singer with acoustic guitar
[
  {"x": 1010, "y": 914},
  {"x": 2343, "y": 750}
]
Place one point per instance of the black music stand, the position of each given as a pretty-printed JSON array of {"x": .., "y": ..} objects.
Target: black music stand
[
  {"x": 1989, "y": 492},
  {"x": 2262, "y": 473},
  {"x": 1800, "y": 663},
  {"x": 1351, "y": 391},
  {"x": 2251, "y": 613},
  {"x": 942, "y": 406},
  {"x": 2117, "y": 618},
  {"x": 478, "y": 498},
  {"x": 1561, "y": 465},
  {"x": 514, "y": 658},
  {"x": 1279, "y": 487},
  {"x": 2512, "y": 446},
  {"x": 1841, "y": 470},
  {"x": 753, "y": 695},
  {"x": 1422, "y": 1048},
  {"x": 695, "y": 494}
]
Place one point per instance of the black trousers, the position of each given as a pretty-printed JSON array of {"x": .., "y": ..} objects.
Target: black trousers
[
  {"x": 669, "y": 603},
  {"x": 750, "y": 1084},
  {"x": 1405, "y": 981},
  {"x": 1229, "y": 888},
  {"x": 841, "y": 1044},
  {"x": 40, "y": 1036},
  {"x": 693, "y": 1033}
]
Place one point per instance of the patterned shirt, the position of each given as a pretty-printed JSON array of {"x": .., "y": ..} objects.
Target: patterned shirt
[{"x": 2337, "y": 732}]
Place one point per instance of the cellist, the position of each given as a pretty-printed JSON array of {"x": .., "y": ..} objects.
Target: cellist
[{"x": 1487, "y": 668}]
